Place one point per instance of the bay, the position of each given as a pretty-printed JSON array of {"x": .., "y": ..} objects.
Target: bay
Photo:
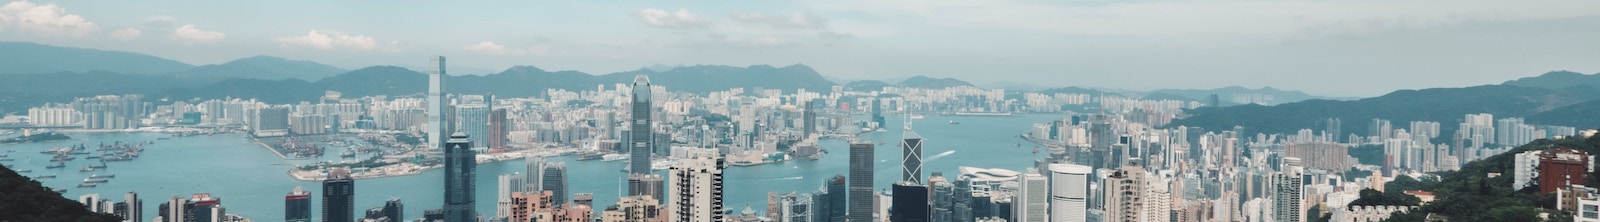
[{"x": 252, "y": 180}]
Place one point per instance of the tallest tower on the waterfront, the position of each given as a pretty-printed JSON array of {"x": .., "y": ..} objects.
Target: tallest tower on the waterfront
[
  {"x": 642, "y": 141},
  {"x": 436, "y": 105}
]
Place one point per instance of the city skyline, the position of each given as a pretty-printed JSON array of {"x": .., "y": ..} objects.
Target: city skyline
[{"x": 1440, "y": 45}]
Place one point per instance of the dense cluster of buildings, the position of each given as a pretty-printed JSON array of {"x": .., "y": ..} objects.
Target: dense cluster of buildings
[{"x": 1117, "y": 165}]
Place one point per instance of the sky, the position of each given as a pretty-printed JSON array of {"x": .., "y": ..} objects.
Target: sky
[{"x": 1355, "y": 48}]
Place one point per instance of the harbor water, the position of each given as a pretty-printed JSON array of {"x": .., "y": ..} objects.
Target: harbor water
[{"x": 252, "y": 180}]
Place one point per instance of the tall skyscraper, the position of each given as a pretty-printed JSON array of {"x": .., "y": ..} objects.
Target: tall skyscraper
[
  {"x": 436, "y": 105},
  {"x": 460, "y": 165},
  {"x": 498, "y": 128},
  {"x": 555, "y": 180},
  {"x": 641, "y": 142},
  {"x": 534, "y": 165},
  {"x": 911, "y": 155},
  {"x": 809, "y": 118},
  {"x": 836, "y": 210},
  {"x": 338, "y": 196},
  {"x": 135, "y": 208},
  {"x": 860, "y": 193},
  {"x": 297, "y": 206},
  {"x": 697, "y": 189},
  {"x": 1069, "y": 192},
  {"x": 509, "y": 183},
  {"x": 910, "y": 202},
  {"x": 1032, "y": 199}
]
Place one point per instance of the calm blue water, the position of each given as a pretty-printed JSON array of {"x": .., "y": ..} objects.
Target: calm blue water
[{"x": 252, "y": 180}]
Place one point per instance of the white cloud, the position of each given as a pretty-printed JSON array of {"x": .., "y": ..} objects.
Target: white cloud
[
  {"x": 492, "y": 48},
  {"x": 319, "y": 40},
  {"x": 189, "y": 32},
  {"x": 160, "y": 21},
  {"x": 126, "y": 34},
  {"x": 796, "y": 20},
  {"x": 681, "y": 19},
  {"x": 44, "y": 20}
]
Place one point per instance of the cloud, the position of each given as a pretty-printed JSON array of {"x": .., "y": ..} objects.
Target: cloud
[
  {"x": 189, "y": 32},
  {"x": 796, "y": 20},
  {"x": 325, "y": 41},
  {"x": 126, "y": 34},
  {"x": 492, "y": 48},
  {"x": 160, "y": 21},
  {"x": 44, "y": 20},
  {"x": 682, "y": 19}
]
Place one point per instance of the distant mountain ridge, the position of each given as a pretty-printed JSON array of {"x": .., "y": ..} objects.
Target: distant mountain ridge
[
  {"x": 932, "y": 83},
  {"x": 264, "y": 67},
  {"x": 34, "y": 58},
  {"x": 520, "y": 81},
  {"x": 1557, "y": 80}
]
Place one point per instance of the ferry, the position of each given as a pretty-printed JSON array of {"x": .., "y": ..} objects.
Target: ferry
[
  {"x": 613, "y": 157},
  {"x": 916, "y": 116},
  {"x": 86, "y": 185}
]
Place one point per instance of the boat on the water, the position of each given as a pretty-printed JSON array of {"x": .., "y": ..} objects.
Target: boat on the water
[
  {"x": 93, "y": 180},
  {"x": 86, "y": 185},
  {"x": 98, "y": 176},
  {"x": 46, "y": 176},
  {"x": 953, "y": 122},
  {"x": 60, "y": 190},
  {"x": 86, "y": 169}
]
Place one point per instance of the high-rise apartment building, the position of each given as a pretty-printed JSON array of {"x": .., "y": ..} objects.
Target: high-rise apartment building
[
  {"x": 697, "y": 189},
  {"x": 1124, "y": 194}
]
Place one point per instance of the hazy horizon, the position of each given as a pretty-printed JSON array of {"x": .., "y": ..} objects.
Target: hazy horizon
[{"x": 1339, "y": 49}]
